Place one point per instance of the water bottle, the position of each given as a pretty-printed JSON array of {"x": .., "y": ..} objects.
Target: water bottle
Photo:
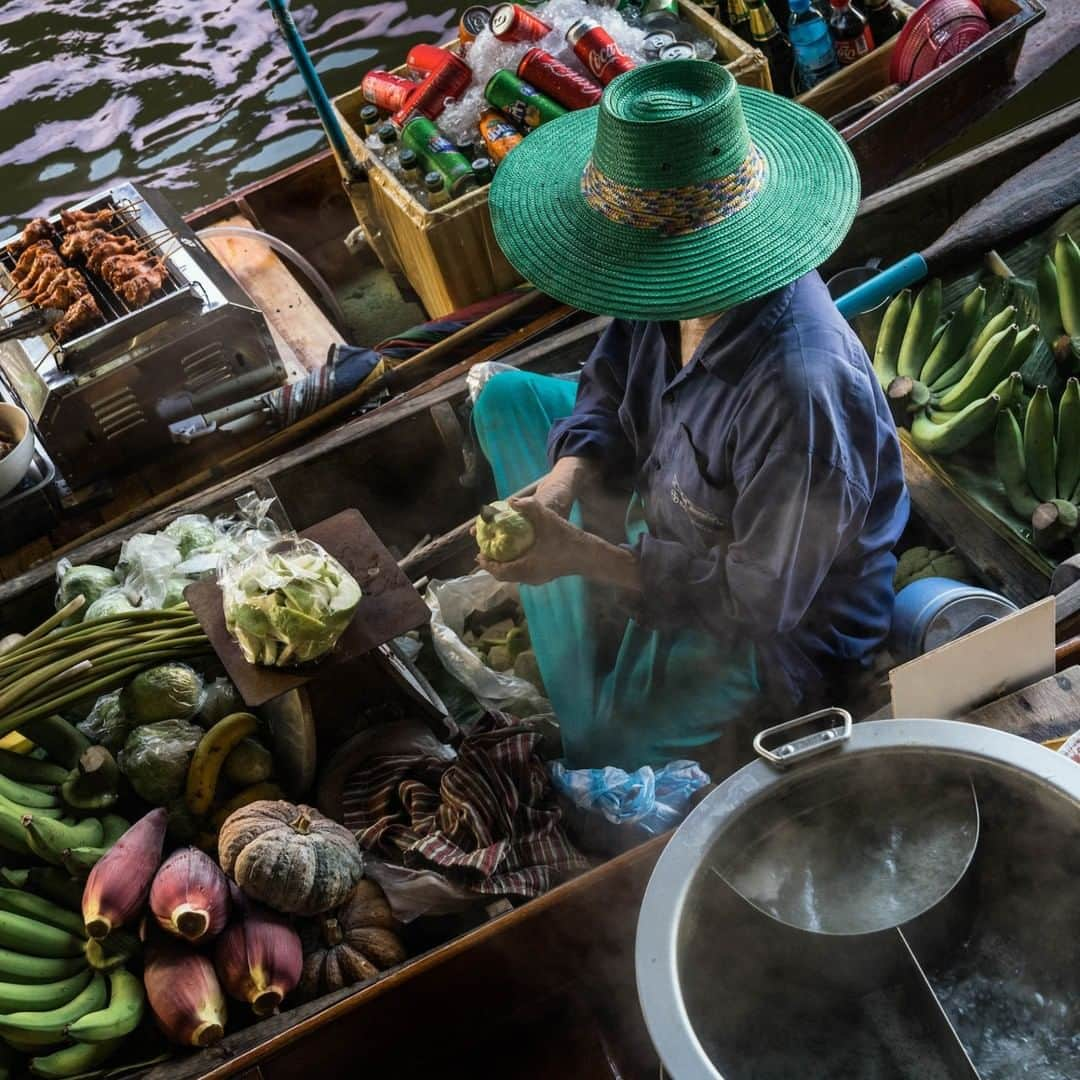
[
  {"x": 815, "y": 57},
  {"x": 389, "y": 140}
]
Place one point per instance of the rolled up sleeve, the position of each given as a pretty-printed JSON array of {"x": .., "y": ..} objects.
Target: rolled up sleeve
[
  {"x": 593, "y": 429},
  {"x": 794, "y": 513}
]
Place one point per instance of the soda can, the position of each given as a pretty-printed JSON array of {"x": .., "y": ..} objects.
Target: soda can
[
  {"x": 386, "y": 90},
  {"x": 678, "y": 50},
  {"x": 473, "y": 20},
  {"x": 655, "y": 41},
  {"x": 499, "y": 135},
  {"x": 429, "y": 97},
  {"x": 660, "y": 13},
  {"x": 562, "y": 84},
  {"x": 511, "y": 22},
  {"x": 522, "y": 102},
  {"x": 438, "y": 154},
  {"x": 597, "y": 50},
  {"x": 422, "y": 60}
]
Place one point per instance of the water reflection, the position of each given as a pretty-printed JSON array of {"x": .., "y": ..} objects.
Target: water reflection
[{"x": 195, "y": 97}]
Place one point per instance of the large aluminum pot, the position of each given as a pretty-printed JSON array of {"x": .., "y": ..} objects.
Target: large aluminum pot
[{"x": 978, "y": 986}]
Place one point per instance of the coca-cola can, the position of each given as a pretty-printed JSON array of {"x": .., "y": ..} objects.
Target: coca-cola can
[
  {"x": 597, "y": 50},
  {"x": 511, "y": 22},
  {"x": 386, "y": 90},
  {"x": 655, "y": 41},
  {"x": 422, "y": 60},
  {"x": 429, "y": 98},
  {"x": 561, "y": 83},
  {"x": 473, "y": 20}
]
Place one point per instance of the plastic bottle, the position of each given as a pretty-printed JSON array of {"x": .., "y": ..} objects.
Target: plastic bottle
[
  {"x": 390, "y": 148},
  {"x": 851, "y": 35},
  {"x": 808, "y": 32},
  {"x": 412, "y": 176}
]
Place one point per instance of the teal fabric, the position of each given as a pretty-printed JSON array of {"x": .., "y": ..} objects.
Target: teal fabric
[{"x": 657, "y": 696}]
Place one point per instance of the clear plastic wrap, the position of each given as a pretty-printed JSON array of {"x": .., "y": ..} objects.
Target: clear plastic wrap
[
  {"x": 88, "y": 581},
  {"x": 220, "y": 699},
  {"x": 288, "y": 604},
  {"x": 451, "y": 603},
  {"x": 107, "y": 723},
  {"x": 113, "y": 602},
  {"x": 170, "y": 691},
  {"x": 156, "y": 757}
]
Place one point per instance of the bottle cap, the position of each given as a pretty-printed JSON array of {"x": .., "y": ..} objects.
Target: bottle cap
[
  {"x": 482, "y": 165},
  {"x": 407, "y": 158},
  {"x": 433, "y": 181},
  {"x": 387, "y": 134},
  {"x": 369, "y": 114}
]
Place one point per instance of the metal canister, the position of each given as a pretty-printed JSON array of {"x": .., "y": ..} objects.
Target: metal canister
[
  {"x": 562, "y": 84},
  {"x": 597, "y": 50},
  {"x": 499, "y": 135},
  {"x": 473, "y": 20},
  {"x": 658, "y": 14},
  {"x": 429, "y": 98},
  {"x": 678, "y": 50},
  {"x": 521, "y": 101},
  {"x": 386, "y": 90},
  {"x": 655, "y": 41},
  {"x": 511, "y": 22},
  {"x": 439, "y": 154}
]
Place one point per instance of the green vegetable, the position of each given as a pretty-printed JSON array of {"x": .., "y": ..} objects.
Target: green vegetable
[
  {"x": 107, "y": 723},
  {"x": 191, "y": 532},
  {"x": 88, "y": 581},
  {"x": 114, "y": 602},
  {"x": 156, "y": 756},
  {"x": 921, "y": 562},
  {"x": 165, "y": 692},
  {"x": 289, "y": 605},
  {"x": 502, "y": 534},
  {"x": 249, "y": 762},
  {"x": 220, "y": 699}
]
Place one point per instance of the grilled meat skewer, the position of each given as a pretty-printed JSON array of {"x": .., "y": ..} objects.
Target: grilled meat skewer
[
  {"x": 84, "y": 312},
  {"x": 29, "y": 256},
  {"x": 82, "y": 219},
  {"x": 37, "y": 230}
]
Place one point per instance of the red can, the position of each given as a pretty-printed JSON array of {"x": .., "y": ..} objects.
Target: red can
[
  {"x": 562, "y": 84},
  {"x": 597, "y": 50},
  {"x": 511, "y": 22},
  {"x": 422, "y": 60},
  {"x": 429, "y": 98},
  {"x": 386, "y": 90}
]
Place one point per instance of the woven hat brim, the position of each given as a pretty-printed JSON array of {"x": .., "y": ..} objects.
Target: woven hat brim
[{"x": 575, "y": 254}]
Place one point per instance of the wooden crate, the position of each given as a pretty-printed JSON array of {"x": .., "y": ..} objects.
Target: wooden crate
[{"x": 449, "y": 255}]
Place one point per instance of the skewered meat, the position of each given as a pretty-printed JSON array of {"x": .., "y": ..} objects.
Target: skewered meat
[
  {"x": 82, "y": 219},
  {"x": 46, "y": 262},
  {"x": 77, "y": 241},
  {"x": 44, "y": 282},
  {"x": 81, "y": 314},
  {"x": 106, "y": 249},
  {"x": 68, "y": 286},
  {"x": 39, "y": 229},
  {"x": 29, "y": 256}
]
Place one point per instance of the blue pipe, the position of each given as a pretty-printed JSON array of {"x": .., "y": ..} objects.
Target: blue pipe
[{"x": 315, "y": 89}]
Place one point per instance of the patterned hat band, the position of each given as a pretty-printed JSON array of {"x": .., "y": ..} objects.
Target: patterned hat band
[{"x": 675, "y": 211}]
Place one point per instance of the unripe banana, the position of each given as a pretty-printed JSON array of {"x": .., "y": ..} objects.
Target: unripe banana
[
  {"x": 915, "y": 347},
  {"x": 17, "y": 967},
  {"x": 1024, "y": 346},
  {"x": 1067, "y": 265},
  {"x": 1009, "y": 459},
  {"x": 47, "y": 881},
  {"x": 1040, "y": 459},
  {"x": 40, "y": 909},
  {"x": 37, "y": 997},
  {"x": 1053, "y": 522},
  {"x": 49, "y": 839},
  {"x": 989, "y": 367},
  {"x": 1068, "y": 440},
  {"x": 958, "y": 333},
  {"x": 959, "y": 429},
  {"x": 1050, "y": 311},
  {"x": 1010, "y": 390},
  {"x": 24, "y": 795},
  {"x": 122, "y": 1015},
  {"x": 47, "y": 1028},
  {"x": 73, "y": 1060},
  {"x": 35, "y": 938},
  {"x": 1001, "y": 321},
  {"x": 890, "y": 336},
  {"x": 30, "y": 770}
]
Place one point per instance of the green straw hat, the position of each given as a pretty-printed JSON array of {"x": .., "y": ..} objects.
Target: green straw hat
[{"x": 681, "y": 194}]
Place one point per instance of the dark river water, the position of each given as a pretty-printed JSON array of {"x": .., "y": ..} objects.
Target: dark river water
[{"x": 192, "y": 96}]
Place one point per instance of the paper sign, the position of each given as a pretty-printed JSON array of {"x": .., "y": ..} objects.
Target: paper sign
[{"x": 997, "y": 659}]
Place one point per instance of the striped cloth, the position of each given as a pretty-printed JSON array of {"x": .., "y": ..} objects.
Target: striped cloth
[{"x": 488, "y": 819}]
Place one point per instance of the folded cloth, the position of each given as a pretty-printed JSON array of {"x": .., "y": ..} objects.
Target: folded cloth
[
  {"x": 488, "y": 819},
  {"x": 655, "y": 800}
]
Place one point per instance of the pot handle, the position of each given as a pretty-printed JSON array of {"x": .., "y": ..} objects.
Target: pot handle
[{"x": 798, "y": 749}]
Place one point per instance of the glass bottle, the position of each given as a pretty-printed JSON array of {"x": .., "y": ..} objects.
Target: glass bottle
[
  {"x": 738, "y": 18},
  {"x": 765, "y": 34},
  {"x": 369, "y": 117},
  {"x": 482, "y": 171},
  {"x": 411, "y": 175},
  {"x": 436, "y": 190},
  {"x": 808, "y": 32},
  {"x": 390, "y": 148},
  {"x": 850, "y": 31},
  {"x": 885, "y": 21}
]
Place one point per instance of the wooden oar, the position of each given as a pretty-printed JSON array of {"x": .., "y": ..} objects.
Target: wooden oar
[{"x": 1045, "y": 188}]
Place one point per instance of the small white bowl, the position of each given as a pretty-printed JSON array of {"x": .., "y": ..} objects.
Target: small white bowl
[{"x": 14, "y": 423}]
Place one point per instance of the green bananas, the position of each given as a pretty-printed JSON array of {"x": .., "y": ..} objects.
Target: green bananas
[
  {"x": 120, "y": 1017},
  {"x": 73, "y": 1060},
  {"x": 1057, "y": 282},
  {"x": 37, "y": 907},
  {"x": 38, "y": 997},
  {"x": 49, "y": 1027}
]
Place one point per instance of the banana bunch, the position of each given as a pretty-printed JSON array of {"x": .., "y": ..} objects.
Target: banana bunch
[
  {"x": 955, "y": 377},
  {"x": 1058, "y": 284},
  {"x": 1040, "y": 470}
]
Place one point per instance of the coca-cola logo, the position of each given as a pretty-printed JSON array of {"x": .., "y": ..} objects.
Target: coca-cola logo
[{"x": 600, "y": 58}]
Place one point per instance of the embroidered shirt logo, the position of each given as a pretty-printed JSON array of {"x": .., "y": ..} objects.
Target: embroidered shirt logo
[{"x": 699, "y": 516}]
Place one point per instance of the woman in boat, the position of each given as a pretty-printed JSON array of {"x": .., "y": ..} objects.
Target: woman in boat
[{"x": 729, "y": 403}]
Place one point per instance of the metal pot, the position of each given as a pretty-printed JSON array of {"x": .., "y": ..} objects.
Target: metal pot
[{"x": 984, "y": 977}]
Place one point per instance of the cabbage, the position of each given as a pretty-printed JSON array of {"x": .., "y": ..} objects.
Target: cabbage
[
  {"x": 220, "y": 699},
  {"x": 288, "y": 605},
  {"x": 167, "y": 692},
  {"x": 88, "y": 581},
  {"x": 502, "y": 534},
  {"x": 192, "y": 532},
  {"x": 107, "y": 723},
  {"x": 114, "y": 602},
  {"x": 156, "y": 757}
]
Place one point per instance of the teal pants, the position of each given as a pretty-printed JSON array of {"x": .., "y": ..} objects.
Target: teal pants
[{"x": 656, "y": 696}]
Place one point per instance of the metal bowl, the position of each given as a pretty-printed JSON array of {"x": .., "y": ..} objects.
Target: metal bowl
[
  {"x": 965, "y": 990},
  {"x": 15, "y": 465}
]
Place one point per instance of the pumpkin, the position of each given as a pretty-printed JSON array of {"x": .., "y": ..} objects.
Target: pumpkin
[
  {"x": 353, "y": 943},
  {"x": 292, "y": 858}
]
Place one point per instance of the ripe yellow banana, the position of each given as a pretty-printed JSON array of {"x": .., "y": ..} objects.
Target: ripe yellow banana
[{"x": 214, "y": 747}]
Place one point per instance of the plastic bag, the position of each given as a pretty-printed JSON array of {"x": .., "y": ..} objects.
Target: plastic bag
[
  {"x": 653, "y": 800},
  {"x": 451, "y": 602},
  {"x": 288, "y": 604},
  {"x": 479, "y": 375},
  {"x": 413, "y": 893},
  {"x": 148, "y": 564},
  {"x": 107, "y": 723},
  {"x": 113, "y": 602},
  {"x": 88, "y": 581},
  {"x": 220, "y": 699},
  {"x": 156, "y": 757}
]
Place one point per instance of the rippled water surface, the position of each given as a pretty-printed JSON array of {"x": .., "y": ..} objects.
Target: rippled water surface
[{"x": 193, "y": 96}]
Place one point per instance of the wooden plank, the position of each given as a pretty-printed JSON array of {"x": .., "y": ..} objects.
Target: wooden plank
[
  {"x": 1000, "y": 559},
  {"x": 1048, "y": 709},
  {"x": 302, "y": 333}
]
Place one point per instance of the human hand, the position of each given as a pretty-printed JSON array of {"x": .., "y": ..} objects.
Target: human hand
[{"x": 556, "y": 551}]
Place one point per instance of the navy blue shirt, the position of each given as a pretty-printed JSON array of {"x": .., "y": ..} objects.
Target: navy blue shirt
[{"x": 770, "y": 473}]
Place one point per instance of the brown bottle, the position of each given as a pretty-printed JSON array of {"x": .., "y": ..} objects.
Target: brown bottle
[
  {"x": 850, "y": 32},
  {"x": 885, "y": 21},
  {"x": 765, "y": 35},
  {"x": 738, "y": 18}
]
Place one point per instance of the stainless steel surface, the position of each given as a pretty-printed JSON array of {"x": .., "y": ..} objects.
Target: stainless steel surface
[
  {"x": 798, "y": 750},
  {"x": 103, "y": 401},
  {"x": 729, "y": 992}
]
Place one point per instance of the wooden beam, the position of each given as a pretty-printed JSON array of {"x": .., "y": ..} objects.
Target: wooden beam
[{"x": 1045, "y": 710}]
